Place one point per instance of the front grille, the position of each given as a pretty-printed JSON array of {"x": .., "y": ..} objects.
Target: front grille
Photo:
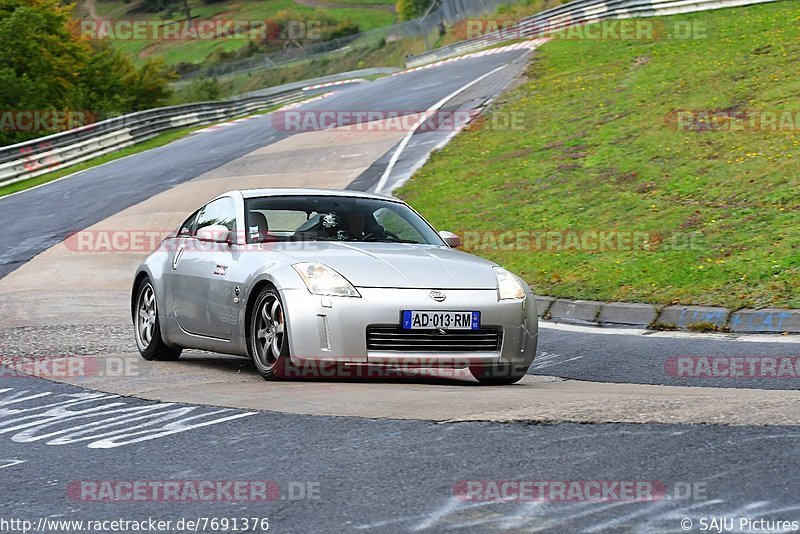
[{"x": 394, "y": 339}]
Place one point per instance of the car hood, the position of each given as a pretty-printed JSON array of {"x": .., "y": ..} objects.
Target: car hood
[{"x": 396, "y": 264}]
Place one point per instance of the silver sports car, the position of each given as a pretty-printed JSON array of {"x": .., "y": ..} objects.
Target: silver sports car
[{"x": 297, "y": 278}]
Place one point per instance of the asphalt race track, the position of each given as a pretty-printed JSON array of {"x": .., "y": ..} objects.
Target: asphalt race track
[
  {"x": 356, "y": 474},
  {"x": 410, "y": 453}
]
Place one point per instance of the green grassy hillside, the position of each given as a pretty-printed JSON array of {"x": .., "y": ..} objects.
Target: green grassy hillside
[
  {"x": 363, "y": 15},
  {"x": 599, "y": 150}
]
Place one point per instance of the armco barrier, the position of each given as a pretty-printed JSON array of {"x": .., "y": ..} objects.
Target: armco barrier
[
  {"x": 578, "y": 12},
  {"x": 46, "y": 154}
]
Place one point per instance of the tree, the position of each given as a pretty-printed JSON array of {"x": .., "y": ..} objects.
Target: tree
[
  {"x": 411, "y": 9},
  {"x": 149, "y": 85},
  {"x": 46, "y": 66},
  {"x": 38, "y": 52}
]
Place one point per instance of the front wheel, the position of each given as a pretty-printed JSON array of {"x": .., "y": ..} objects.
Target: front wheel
[
  {"x": 269, "y": 337},
  {"x": 147, "y": 328},
  {"x": 501, "y": 374}
]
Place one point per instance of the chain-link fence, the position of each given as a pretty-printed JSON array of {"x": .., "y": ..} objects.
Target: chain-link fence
[{"x": 445, "y": 12}]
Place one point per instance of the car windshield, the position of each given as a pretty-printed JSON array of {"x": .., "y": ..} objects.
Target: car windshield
[{"x": 335, "y": 218}]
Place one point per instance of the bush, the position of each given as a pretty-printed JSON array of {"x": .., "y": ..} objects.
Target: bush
[
  {"x": 411, "y": 9},
  {"x": 202, "y": 90},
  {"x": 46, "y": 66}
]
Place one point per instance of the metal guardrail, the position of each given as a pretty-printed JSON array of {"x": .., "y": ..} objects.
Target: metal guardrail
[
  {"x": 46, "y": 154},
  {"x": 574, "y": 13}
]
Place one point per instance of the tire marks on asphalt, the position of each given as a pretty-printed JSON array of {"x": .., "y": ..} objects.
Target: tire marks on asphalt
[{"x": 7, "y": 462}]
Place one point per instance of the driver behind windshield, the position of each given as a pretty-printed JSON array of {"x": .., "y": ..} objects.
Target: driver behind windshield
[
  {"x": 352, "y": 226},
  {"x": 321, "y": 218}
]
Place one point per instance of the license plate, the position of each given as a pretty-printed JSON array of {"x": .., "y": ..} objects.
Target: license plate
[{"x": 449, "y": 320}]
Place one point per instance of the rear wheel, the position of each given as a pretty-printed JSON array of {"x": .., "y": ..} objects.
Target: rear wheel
[
  {"x": 147, "y": 328},
  {"x": 269, "y": 339},
  {"x": 498, "y": 375}
]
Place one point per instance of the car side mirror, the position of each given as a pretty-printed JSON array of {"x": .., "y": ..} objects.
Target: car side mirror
[
  {"x": 452, "y": 240},
  {"x": 215, "y": 233}
]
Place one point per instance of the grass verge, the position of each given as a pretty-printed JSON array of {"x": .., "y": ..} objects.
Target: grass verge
[
  {"x": 176, "y": 51},
  {"x": 597, "y": 149}
]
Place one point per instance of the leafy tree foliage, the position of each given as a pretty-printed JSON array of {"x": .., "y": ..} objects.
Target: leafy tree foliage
[
  {"x": 411, "y": 9},
  {"x": 46, "y": 66}
]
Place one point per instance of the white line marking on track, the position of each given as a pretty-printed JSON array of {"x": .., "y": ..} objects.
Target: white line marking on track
[
  {"x": 333, "y": 84},
  {"x": 223, "y": 125},
  {"x": 531, "y": 45},
  {"x": 393, "y": 161}
]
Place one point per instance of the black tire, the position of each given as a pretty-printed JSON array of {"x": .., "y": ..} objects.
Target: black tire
[
  {"x": 268, "y": 337},
  {"x": 502, "y": 374},
  {"x": 146, "y": 326}
]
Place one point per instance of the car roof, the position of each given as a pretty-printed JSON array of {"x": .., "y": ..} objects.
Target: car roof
[{"x": 298, "y": 191}]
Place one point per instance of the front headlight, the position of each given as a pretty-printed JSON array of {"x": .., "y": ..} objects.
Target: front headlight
[
  {"x": 322, "y": 280},
  {"x": 510, "y": 288}
]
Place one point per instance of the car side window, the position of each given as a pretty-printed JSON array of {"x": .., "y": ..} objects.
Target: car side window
[
  {"x": 221, "y": 211},
  {"x": 397, "y": 225},
  {"x": 187, "y": 228}
]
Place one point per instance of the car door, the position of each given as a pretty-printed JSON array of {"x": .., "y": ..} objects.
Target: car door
[
  {"x": 178, "y": 245},
  {"x": 201, "y": 284}
]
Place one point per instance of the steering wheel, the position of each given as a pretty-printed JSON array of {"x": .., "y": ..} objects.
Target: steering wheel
[{"x": 373, "y": 236}]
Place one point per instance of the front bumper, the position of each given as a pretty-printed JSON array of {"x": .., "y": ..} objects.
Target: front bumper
[{"x": 334, "y": 329}]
